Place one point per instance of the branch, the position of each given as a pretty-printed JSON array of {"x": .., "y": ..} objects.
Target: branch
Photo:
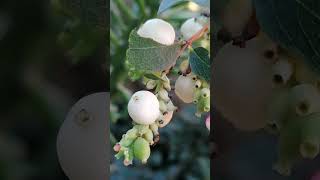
[{"x": 188, "y": 43}]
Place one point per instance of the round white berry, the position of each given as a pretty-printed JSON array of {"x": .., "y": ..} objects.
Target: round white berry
[
  {"x": 158, "y": 30},
  {"x": 82, "y": 140},
  {"x": 143, "y": 107},
  {"x": 242, "y": 79},
  {"x": 185, "y": 88},
  {"x": 190, "y": 27}
]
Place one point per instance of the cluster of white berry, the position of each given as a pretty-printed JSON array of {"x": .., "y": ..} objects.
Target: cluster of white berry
[
  {"x": 151, "y": 111},
  {"x": 263, "y": 86}
]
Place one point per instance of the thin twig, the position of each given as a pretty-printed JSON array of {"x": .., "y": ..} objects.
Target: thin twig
[{"x": 188, "y": 43}]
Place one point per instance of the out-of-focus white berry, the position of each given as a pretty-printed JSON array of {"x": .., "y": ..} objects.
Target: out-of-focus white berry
[
  {"x": 190, "y": 28},
  {"x": 185, "y": 88},
  {"x": 143, "y": 107},
  {"x": 158, "y": 30},
  {"x": 242, "y": 84},
  {"x": 82, "y": 139}
]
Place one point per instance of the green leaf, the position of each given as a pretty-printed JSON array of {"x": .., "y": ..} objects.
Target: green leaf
[
  {"x": 294, "y": 24},
  {"x": 153, "y": 77},
  {"x": 166, "y": 4},
  {"x": 144, "y": 54},
  {"x": 200, "y": 62}
]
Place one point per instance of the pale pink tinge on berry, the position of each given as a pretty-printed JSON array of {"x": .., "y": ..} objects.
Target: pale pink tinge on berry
[
  {"x": 117, "y": 147},
  {"x": 208, "y": 122},
  {"x": 316, "y": 176}
]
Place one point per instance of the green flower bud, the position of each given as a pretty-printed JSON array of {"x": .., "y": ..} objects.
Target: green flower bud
[
  {"x": 141, "y": 149},
  {"x": 126, "y": 140},
  {"x": 154, "y": 128},
  {"x": 163, "y": 106},
  {"x": 184, "y": 66},
  {"x": 197, "y": 96},
  {"x": 120, "y": 154},
  {"x": 132, "y": 133},
  {"x": 197, "y": 84},
  {"x": 128, "y": 157},
  {"x": 203, "y": 106},
  {"x": 205, "y": 92},
  {"x": 304, "y": 99},
  {"x": 142, "y": 129},
  {"x": 163, "y": 94},
  {"x": 148, "y": 136},
  {"x": 151, "y": 84},
  {"x": 167, "y": 86}
]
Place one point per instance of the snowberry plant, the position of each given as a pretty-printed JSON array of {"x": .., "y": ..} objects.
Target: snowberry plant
[{"x": 170, "y": 61}]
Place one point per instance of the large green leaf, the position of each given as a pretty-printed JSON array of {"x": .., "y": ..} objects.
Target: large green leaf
[
  {"x": 144, "y": 54},
  {"x": 295, "y": 24},
  {"x": 200, "y": 62},
  {"x": 166, "y": 4}
]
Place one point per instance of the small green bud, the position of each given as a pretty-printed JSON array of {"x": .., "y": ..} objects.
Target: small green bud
[
  {"x": 163, "y": 106},
  {"x": 167, "y": 86},
  {"x": 142, "y": 129},
  {"x": 148, "y": 136},
  {"x": 126, "y": 140},
  {"x": 132, "y": 133},
  {"x": 205, "y": 92},
  {"x": 151, "y": 84},
  {"x": 163, "y": 94},
  {"x": 197, "y": 84},
  {"x": 154, "y": 128}
]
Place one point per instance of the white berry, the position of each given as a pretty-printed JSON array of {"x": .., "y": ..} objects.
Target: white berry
[
  {"x": 143, "y": 107},
  {"x": 242, "y": 79},
  {"x": 82, "y": 140},
  {"x": 158, "y": 30},
  {"x": 190, "y": 28},
  {"x": 185, "y": 88}
]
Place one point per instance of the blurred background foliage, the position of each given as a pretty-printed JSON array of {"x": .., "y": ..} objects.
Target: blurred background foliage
[
  {"x": 50, "y": 58},
  {"x": 183, "y": 151}
]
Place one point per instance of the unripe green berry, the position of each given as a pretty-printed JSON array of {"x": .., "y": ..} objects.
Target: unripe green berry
[{"x": 141, "y": 149}]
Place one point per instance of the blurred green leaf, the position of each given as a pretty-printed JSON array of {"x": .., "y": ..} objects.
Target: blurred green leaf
[
  {"x": 147, "y": 55},
  {"x": 200, "y": 62}
]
